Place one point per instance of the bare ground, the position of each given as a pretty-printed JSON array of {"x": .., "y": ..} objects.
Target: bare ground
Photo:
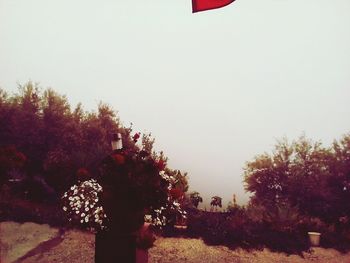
[{"x": 34, "y": 243}]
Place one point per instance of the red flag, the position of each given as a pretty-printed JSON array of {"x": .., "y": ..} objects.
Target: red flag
[{"x": 202, "y": 5}]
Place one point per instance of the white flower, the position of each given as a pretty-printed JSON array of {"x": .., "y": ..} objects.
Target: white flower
[
  {"x": 82, "y": 214},
  {"x": 148, "y": 218},
  {"x": 86, "y": 209},
  {"x": 87, "y": 219},
  {"x": 64, "y": 208}
]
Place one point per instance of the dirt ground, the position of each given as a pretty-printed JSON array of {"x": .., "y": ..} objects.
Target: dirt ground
[{"x": 34, "y": 243}]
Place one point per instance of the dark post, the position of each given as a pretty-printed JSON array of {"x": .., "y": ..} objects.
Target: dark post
[{"x": 118, "y": 243}]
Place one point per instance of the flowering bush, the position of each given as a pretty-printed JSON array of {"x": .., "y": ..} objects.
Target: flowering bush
[
  {"x": 172, "y": 212},
  {"x": 82, "y": 205},
  {"x": 132, "y": 183}
]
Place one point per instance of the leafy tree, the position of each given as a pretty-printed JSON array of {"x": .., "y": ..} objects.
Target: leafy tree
[
  {"x": 181, "y": 181},
  {"x": 58, "y": 140},
  {"x": 303, "y": 174},
  {"x": 11, "y": 162},
  {"x": 216, "y": 201},
  {"x": 195, "y": 199},
  {"x": 340, "y": 181},
  {"x": 266, "y": 175}
]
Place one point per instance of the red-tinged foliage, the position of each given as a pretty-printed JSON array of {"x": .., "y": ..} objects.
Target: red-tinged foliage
[
  {"x": 161, "y": 164},
  {"x": 119, "y": 158},
  {"x": 11, "y": 158},
  {"x": 136, "y": 137},
  {"x": 83, "y": 174},
  {"x": 135, "y": 186},
  {"x": 176, "y": 194}
]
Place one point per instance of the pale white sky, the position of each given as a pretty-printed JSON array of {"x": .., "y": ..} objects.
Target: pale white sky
[{"x": 215, "y": 88}]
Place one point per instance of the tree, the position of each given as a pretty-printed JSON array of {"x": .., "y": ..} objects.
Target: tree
[
  {"x": 55, "y": 140},
  {"x": 340, "y": 181},
  {"x": 195, "y": 199},
  {"x": 303, "y": 174},
  {"x": 58, "y": 141},
  {"x": 216, "y": 201}
]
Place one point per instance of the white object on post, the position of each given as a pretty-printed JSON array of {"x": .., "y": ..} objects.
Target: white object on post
[
  {"x": 117, "y": 142},
  {"x": 314, "y": 238}
]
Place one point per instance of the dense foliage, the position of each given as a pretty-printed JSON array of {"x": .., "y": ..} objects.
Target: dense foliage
[
  {"x": 305, "y": 175},
  {"x": 56, "y": 140},
  {"x": 46, "y": 146}
]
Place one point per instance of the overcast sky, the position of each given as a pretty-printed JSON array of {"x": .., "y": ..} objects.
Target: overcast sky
[{"x": 215, "y": 88}]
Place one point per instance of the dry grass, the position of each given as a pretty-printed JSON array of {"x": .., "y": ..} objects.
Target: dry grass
[
  {"x": 75, "y": 247},
  {"x": 195, "y": 250}
]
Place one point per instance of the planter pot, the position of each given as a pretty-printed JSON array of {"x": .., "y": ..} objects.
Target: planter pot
[
  {"x": 314, "y": 238},
  {"x": 141, "y": 255}
]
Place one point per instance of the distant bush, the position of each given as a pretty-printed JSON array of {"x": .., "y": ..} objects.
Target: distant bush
[
  {"x": 281, "y": 230},
  {"x": 20, "y": 210}
]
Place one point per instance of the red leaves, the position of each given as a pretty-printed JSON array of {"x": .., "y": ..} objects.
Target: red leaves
[
  {"x": 136, "y": 136},
  {"x": 82, "y": 173},
  {"x": 118, "y": 158},
  {"x": 161, "y": 165},
  {"x": 176, "y": 194}
]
